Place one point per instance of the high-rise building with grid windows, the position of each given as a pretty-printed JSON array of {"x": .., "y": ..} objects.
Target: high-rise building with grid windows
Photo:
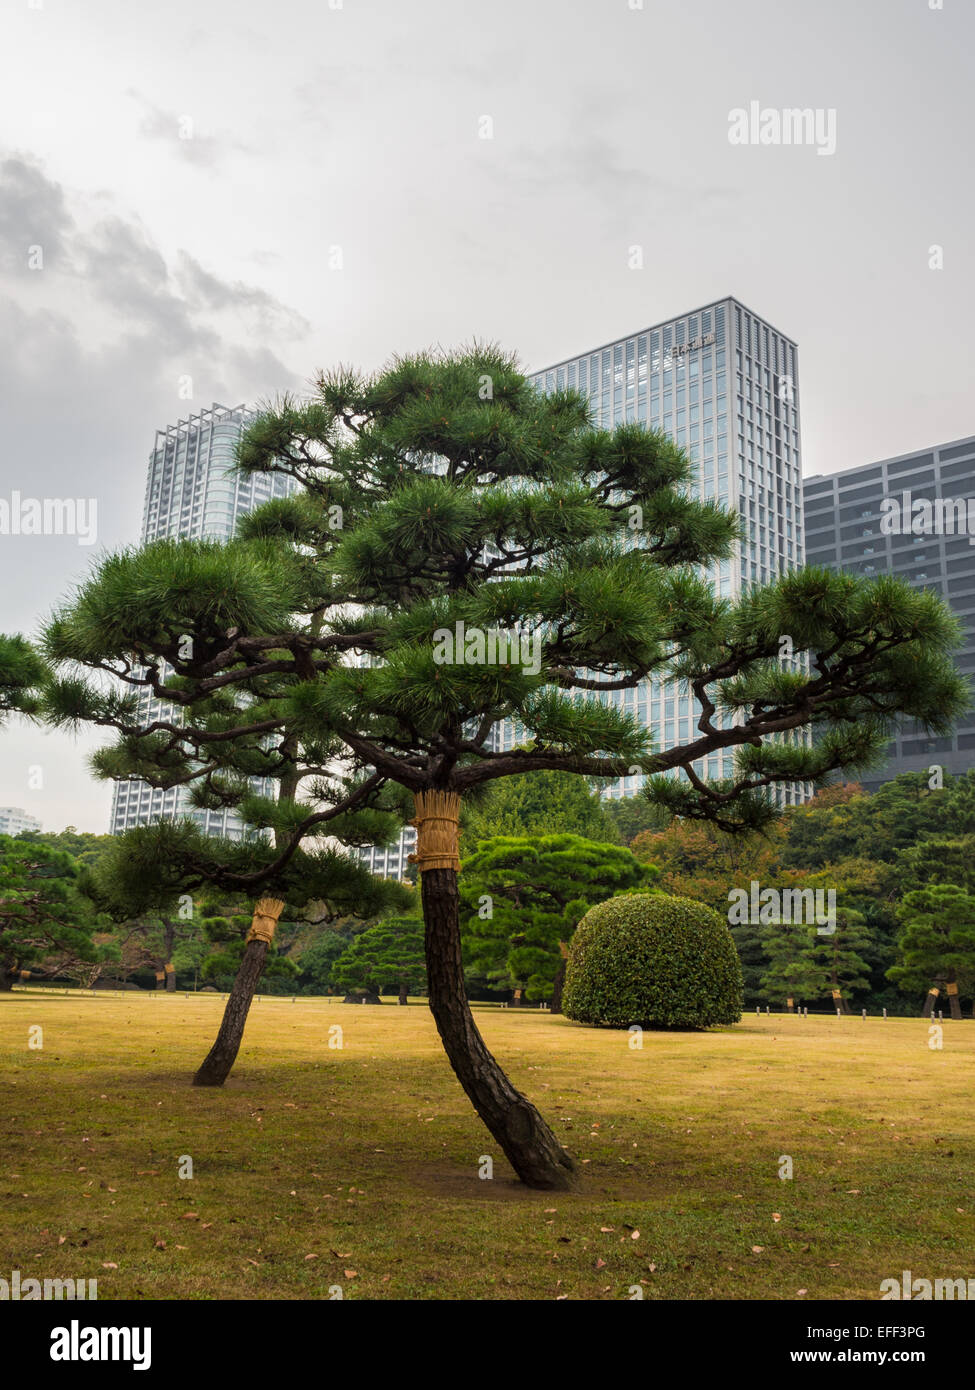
[
  {"x": 907, "y": 516},
  {"x": 192, "y": 492},
  {"x": 723, "y": 383}
]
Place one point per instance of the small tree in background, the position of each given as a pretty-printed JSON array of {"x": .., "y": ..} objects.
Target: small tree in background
[
  {"x": 936, "y": 950},
  {"x": 633, "y": 816},
  {"x": 787, "y": 968},
  {"x": 538, "y": 803},
  {"x": 522, "y": 897},
  {"x": 391, "y": 952},
  {"x": 807, "y": 964},
  {"x": 842, "y": 954},
  {"x": 47, "y": 923}
]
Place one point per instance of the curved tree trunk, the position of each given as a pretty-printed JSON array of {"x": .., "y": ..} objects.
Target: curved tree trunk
[
  {"x": 223, "y": 1053},
  {"x": 403, "y": 994},
  {"x": 530, "y": 1146},
  {"x": 170, "y": 970}
]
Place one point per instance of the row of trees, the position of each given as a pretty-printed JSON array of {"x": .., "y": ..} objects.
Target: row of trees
[
  {"x": 52, "y": 929},
  {"x": 900, "y": 863},
  {"x": 447, "y": 494}
]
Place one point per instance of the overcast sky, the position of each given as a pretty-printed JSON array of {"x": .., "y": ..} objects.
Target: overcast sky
[{"x": 188, "y": 170}]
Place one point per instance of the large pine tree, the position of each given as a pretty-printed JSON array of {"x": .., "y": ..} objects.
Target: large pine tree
[{"x": 445, "y": 502}]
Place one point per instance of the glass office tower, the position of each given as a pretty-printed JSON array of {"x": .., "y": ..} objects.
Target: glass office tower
[
  {"x": 865, "y": 521},
  {"x": 723, "y": 383},
  {"x": 192, "y": 492}
]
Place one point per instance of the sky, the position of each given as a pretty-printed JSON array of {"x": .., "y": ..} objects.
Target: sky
[{"x": 220, "y": 198}]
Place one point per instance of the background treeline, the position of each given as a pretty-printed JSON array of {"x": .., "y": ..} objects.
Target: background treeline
[{"x": 538, "y": 851}]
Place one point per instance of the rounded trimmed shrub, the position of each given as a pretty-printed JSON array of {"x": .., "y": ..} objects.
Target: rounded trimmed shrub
[{"x": 655, "y": 960}]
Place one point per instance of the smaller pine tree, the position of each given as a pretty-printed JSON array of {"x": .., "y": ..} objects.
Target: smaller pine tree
[
  {"x": 936, "y": 950},
  {"x": 391, "y": 952}
]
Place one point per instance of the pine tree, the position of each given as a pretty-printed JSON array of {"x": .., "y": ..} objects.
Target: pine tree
[
  {"x": 806, "y": 963},
  {"x": 47, "y": 922},
  {"x": 465, "y": 550},
  {"x": 936, "y": 950},
  {"x": 22, "y": 676},
  {"x": 389, "y": 952},
  {"x": 522, "y": 897},
  {"x": 539, "y": 803},
  {"x": 842, "y": 954},
  {"x": 791, "y": 970}
]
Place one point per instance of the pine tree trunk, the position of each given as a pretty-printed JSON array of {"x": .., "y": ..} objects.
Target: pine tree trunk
[
  {"x": 929, "y": 1002},
  {"x": 403, "y": 996},
  {"x": 530, "y": 1146},
  {"x": 223, "y": 1053},
  {"x": 954, "y": 1003},
  {"x": 7, "y": 978},
  {"x": 171, "y": 980}
]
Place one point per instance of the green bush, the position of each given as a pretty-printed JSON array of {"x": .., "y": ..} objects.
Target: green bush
[{"x": 651, "y": 959}]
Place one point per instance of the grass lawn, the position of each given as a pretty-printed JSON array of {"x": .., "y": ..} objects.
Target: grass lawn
[{"x": 316, "y": 1168}]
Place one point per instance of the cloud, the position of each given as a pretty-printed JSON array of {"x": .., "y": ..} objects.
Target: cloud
[
  {"x": 33, "y": 211},
  {"x": 111, "y": 340},
  {"x": 181, "y": 130}
]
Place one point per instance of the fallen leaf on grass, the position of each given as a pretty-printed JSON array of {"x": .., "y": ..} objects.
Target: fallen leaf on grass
[
  {"x": 159, "y": 1245},
  {"x": 311, "y": 1257},
  {"x": 350, "y": 1273},
  {"x": 109, "y": 1264},
  {"x": 757, "y": 1249}
]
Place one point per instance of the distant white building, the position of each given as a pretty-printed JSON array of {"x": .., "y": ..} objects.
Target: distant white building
[
  {"x": 13, "y": 821},
  {"x": 193, "y": 492}
]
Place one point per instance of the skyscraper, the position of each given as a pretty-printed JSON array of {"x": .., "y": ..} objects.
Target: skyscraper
[
  {"x": 192, "y": 491},
  {"x": 912, "y": 516},
  {"x": 723, "y": 383}
]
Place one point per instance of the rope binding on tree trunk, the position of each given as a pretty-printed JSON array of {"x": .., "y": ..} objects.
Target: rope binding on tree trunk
[
  {"x": 266, "y": 914},
  {"x": 437, "y": 830}
]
